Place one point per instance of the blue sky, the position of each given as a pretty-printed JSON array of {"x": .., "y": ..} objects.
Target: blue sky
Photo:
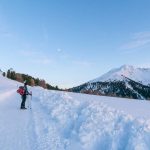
[{"x": 68, "y": 42}]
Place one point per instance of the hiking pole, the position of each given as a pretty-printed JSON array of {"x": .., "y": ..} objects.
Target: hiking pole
[{"x": 30, "y": 100}]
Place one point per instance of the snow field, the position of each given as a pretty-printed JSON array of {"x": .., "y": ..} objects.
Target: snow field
[{"x": 69, "y": 121}]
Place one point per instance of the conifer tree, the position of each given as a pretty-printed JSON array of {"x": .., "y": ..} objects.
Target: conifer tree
[
  {"x": 8, "y": 74},
  {"x": 4, "y": 74},
  {"x": 13, "y": 75},
  {"x": 37, "y": 82}
]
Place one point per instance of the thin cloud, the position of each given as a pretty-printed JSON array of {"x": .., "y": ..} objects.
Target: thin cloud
[
  {"x": 29, "y": 53},
  {"x": 83, "y": 63},
  {"x": 138, "y": 40},
  {"x": 45, "y": 61},
  {"x": 36, "y": 57},
  {"x": 141, "y": 35}
]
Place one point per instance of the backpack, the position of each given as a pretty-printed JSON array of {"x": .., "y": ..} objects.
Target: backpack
[{"x": 21, "y": 90}]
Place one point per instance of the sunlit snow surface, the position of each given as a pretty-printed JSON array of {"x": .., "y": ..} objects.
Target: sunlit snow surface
[{"x": 69, "y": 121}]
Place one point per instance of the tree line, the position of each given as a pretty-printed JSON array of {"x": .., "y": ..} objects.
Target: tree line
[{"x": 11, "y": 74}]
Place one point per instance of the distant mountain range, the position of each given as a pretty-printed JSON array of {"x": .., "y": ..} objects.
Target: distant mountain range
[{"x": 125, "y": 81}]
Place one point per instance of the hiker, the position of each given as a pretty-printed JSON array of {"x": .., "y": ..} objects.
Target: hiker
[{"x": 24, "y": 95}]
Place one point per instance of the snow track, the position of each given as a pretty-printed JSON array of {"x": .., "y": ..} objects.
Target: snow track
[{"x": 46, "y": 131}]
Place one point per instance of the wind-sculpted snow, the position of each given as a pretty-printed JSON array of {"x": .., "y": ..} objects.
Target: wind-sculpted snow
[{"x": 70, "y": 121}]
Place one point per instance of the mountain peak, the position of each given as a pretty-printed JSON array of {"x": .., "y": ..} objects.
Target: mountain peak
[
  {"x": 127, "y": 67},
  {"x": 136, "y": 74}
]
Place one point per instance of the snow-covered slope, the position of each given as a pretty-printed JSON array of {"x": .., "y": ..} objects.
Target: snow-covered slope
[
  {"x": 137, "y": 74},
  {"x": 69, "y": 121}
]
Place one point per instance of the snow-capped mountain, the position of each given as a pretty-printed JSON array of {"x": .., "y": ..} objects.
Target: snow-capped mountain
[
  {"x": 141, "y": 75},
  {"x": 125, "y": 81}
]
